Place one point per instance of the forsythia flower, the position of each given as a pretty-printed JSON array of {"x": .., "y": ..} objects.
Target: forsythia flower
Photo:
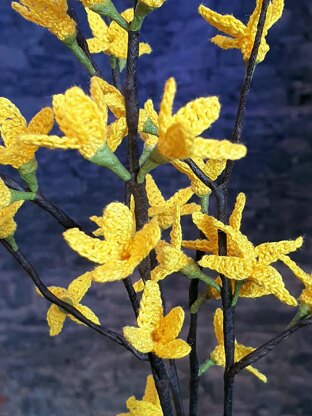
[
  {"x": 240, "y": 36},
  {"x": 218, "y": 354},
  {"x": 211, "y": 168},
  {"x": 148, "y": 406},
  {"x": 164, "y": 210},
  {"x": 112, "y": 39},
  {"x": 51, "y": 14},
  {"x": 83, "y": 120},
  {"x": 123, "y": 248},
  {"x": 13, "y": 125},
  {"x": 178, "y": 134},
  {"x": 5, "y": 195},
  {"x": 156, "y": 333},
  {"x": 244, "y": 261},
  {"x": 72, "y": 295},
  {"x": 7, "y": 223}
]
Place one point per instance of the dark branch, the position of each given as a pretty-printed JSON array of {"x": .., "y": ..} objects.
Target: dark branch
[
  {"x": 114, "y": 336},
  {"x": 266, "y": 348}
]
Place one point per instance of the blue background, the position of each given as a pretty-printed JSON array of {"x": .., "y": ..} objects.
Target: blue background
[{"x": 79, "y": 373}]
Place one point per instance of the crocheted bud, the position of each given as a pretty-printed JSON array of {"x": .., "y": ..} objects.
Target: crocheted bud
[{"x": 143, "y": 8}]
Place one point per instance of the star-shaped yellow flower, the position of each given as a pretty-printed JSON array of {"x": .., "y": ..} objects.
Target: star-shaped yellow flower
[
  {"x": 13, "y": 125},
  {"x": 72, "y": 295},
  {"x": 49, "y": 14},
  {"x": 178, "y": 134},
  {"x": 244, "y": 261},
  {"x": 218, "y": 354},
  {"x": 83, "y": 120},
  {"x": 239, "y": 35},
  {"x": 112, "y": 39},
  {"x": 164, "y": 210},
  {"x": 7, "y": 223},
  {"x": 148, "y": 406},
  {"x": 157, "y": 333},
  {"x": 211, "y": 168},
  {"x": 122, "y": 249}
]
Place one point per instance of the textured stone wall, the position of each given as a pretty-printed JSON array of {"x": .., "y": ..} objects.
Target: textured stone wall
[{"x": 80, "y": 373}]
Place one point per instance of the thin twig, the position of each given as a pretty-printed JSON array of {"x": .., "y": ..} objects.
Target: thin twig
[
  {"x": 31, "y": 271},
  {"x": 267, "y": 347}
]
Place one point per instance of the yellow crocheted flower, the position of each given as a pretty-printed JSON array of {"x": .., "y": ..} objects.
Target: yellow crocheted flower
[
  {"x": 112, "y": 39},
  {"x": 211, "y": 168},
  {"x": 148, "y": 406},
  {"x": 178, "y": 134},
  {"x": 72, "y": 295},
  {"x": 239, "y": 35},
  {"x": 244, "y": 261},
  {"x": 7, "y": 223},
  {"x": 13, "y": 125},
  {"x": 157, "y": 333},
  {"x": 83, "y": 120},
  {"x": 218, "y": 354},
  {"x": 49, "y": 14},
  {"x": 122, "y": 249},
  {"x": 164, "y": 210}
]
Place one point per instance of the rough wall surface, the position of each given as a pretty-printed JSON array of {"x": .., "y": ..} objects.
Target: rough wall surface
[{"x": 80, "y": 373}]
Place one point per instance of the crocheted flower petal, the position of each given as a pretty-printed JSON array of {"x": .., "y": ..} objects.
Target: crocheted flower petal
[
  {"x": 51, "y": 142},
  {"x": 97, "y": 25},
  {"x": 297, "y": 271},
  {"x": 96, "y": 45},
  {"x": 11, "y": 121},
  {"x": 271, "y": 252},
  {"x": 113, "y": 270},
  {"x": 98, "y": 97},
  {"x": 218, "y": 149},
  {"x": 116, "y": 132},
  {"x": 236, "y": 216},
  {"x": 172, "y": 350},
  {"x": 240, "y": 352},
  {"x": 55, "y": 318},
  {"x": 199, "y": 114},
  {"x": 165, "y": 113},
  {"x": 91, "y": 248},
  {"x": 233, "y": 267},
  {"x": 143, "y": 408},
  {"x": 118, "y": 224},
  {"x": 176, "y": 231},
  {"x": 218, "y": 355},
  {"x": 225, "y": 42},
  {"x": 201, "y": 245},
  {"x": 205, "y": 225},
  {"x": 218, "y": 325},
  {"x": 177, "y": 142},
  {"x": 225, "y": 23},
  {"x": 113, "y": 97},
  {"x": 150, "y": 394},
  {"x": 87, "y": 313},
  {"x": 154, "y": 194},
  {"x": 42, "y": 122},
  {"x": 180, "y": 197},
  {"x": 170, "y": 326},
  {"x": 144, "y": 48},
  {"x": 78, "y": 287},
  {"x": 151, "y": 311},
  {"x": 7, "y": 223},
  {"x": 139, "y": 338},
  {"x": 144, "y": 241},
  {"x": 160, "y": 272}
]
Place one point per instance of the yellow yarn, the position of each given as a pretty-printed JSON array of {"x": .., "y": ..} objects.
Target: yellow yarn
[
  {"x": 178, "y": 133},
  {"x": 148, "y": 406},
  {"x": 83, "y": 120},
  {"x": 122, "y": 249},
  {"x": 5, "y": 195},
  {"x": 73, "y": 294},
  {"x": 164, "y": 210},
  {"x": 239, "y": 35},
  {"x": 13, "y": 125},
  {"x": 112, "y": 96},
  {"x": 218, "y": 354},
  {"x": 49, "y": 14},
  {"x": 153, "y": 3},
  {"x": 7, "y": 223},
  {"x": 157, "y": 333},
  {"x": 112, "y": 39}
]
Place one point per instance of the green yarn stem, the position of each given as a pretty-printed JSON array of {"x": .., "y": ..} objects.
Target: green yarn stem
[
  {"x": 205, "y": 366},
  {"x": 106, "y": 158},
  {"x": 303, "y": 312},
  {"x": 107, "y": 8},
  {"x": 192, "y": 271},
  {"x": 11, "y": 241},
  {"x": 21, "y": 196},
  {"x": 198, "y": 303},
  {"x": 28, "y": 174},
  {"x": 72, "y": 44},
  {"x": 238, "y": 286}
]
